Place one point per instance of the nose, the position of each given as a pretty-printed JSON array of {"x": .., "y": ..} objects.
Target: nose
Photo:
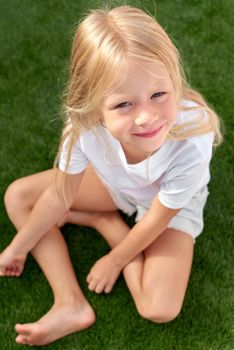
[{"x": 146, "y": 116}]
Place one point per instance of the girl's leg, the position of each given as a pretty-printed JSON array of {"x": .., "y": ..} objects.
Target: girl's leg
[
  {"x": 71, "y": 312},
  {"x": 20, "y": 198},
  {"x": 167, "y": 268},
  {"x": 25, "y": 192},
  {"x": 156, "y": 279},
  {"x": 113, "y": 229}
]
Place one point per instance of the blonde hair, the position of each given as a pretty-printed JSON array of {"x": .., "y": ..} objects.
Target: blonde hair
[{"x": 104, "y": 41}]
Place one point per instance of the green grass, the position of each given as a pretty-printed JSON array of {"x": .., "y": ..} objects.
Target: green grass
[{"x": 34, "y": 51}]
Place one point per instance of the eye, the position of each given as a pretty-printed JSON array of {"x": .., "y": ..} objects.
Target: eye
[
  {"x": 123, "y": 105},
  {"x": 158, "y": 94}
]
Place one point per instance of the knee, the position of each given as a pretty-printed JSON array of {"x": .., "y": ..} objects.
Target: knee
[
  {"x": 159, "y": 312},
  {"x": 14, "y": 197}
]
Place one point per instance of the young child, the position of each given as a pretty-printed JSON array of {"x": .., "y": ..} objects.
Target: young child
[{"x": 138, "y": 139}]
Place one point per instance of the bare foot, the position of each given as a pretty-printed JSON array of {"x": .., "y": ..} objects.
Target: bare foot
[
  {"x": 11, "y": 264},
  {"x": 60, "y": 321}
]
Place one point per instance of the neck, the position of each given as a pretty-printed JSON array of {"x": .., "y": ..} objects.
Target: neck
[{"x": 133, "y": 156}]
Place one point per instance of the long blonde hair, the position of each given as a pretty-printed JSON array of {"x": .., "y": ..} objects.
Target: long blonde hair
[{"x": 103, "y": 43}]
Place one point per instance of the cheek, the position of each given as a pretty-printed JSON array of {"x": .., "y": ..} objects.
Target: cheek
[
  {"x": 171, "y": 112},
  {"x": 174, "y": 113},
  {"x": 117, "y": 127},
  {"x": 119, "y": 122}
]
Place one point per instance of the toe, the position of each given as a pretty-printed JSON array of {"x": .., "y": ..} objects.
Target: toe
[
  {"x": 22, "y": 329},
  {"x": 21, "y": 339}
]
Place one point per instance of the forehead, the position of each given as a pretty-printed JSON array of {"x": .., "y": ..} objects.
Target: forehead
[{"x": 141, "y": 73}]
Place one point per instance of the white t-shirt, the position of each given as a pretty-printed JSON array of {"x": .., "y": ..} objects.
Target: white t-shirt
[{"x": 174, "y": 173}]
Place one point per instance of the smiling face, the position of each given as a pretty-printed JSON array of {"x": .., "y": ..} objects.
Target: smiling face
[{"x": 141, "y": 110}]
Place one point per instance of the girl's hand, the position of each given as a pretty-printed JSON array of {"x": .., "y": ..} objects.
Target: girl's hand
[{"x": 103, "y": 275}]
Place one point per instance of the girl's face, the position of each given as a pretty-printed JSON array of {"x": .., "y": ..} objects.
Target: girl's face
[{"x": 141, "y": 110}]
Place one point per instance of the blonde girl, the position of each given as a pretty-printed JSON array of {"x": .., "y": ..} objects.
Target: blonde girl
[{"x": 136, "y": 138}]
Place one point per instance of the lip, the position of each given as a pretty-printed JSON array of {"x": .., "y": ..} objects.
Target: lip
[{"x": 150, "y": 133}]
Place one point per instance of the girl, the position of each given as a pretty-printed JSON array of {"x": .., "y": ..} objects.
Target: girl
[{"x": 137, "y": 138}]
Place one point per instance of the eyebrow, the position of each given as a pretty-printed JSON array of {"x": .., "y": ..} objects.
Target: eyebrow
[{"x": 118, "y": 97}]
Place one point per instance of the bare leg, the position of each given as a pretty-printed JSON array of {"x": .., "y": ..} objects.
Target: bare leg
[
  {"x": 28, "y": 190},
  {"x": 157, "y": 278},
  {"x": 113, "y": 229},
  {"x": 71, "y": 312},
  {"x": 20, "y": 198}
]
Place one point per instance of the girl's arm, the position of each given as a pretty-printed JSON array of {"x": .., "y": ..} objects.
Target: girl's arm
[
  {"x": 50, "y": 207},
  {"x": 105, "y": 272},
  {"x": 143, "y": 233}
]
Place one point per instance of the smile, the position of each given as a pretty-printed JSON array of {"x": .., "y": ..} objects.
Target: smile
[{"x": 148, "y": 134}]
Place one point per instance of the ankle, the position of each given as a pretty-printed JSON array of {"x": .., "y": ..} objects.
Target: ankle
[
  {"x": 14, "y": 251},
  {"x": 69, "y": 297}
]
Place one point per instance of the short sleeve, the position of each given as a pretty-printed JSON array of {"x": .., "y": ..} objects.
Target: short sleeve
[
  {"x": 189, "y": 173},
  {"x": 78, "y": 161}
]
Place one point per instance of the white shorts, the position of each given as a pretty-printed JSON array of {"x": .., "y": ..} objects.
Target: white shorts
[{"x": 189, "y": 219}]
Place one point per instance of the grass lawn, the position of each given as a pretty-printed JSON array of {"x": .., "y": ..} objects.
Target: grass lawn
[{"x": 35, "y": 40}]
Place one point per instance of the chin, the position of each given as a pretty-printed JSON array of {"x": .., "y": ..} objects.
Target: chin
[{"x": 153, "y": 148}]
